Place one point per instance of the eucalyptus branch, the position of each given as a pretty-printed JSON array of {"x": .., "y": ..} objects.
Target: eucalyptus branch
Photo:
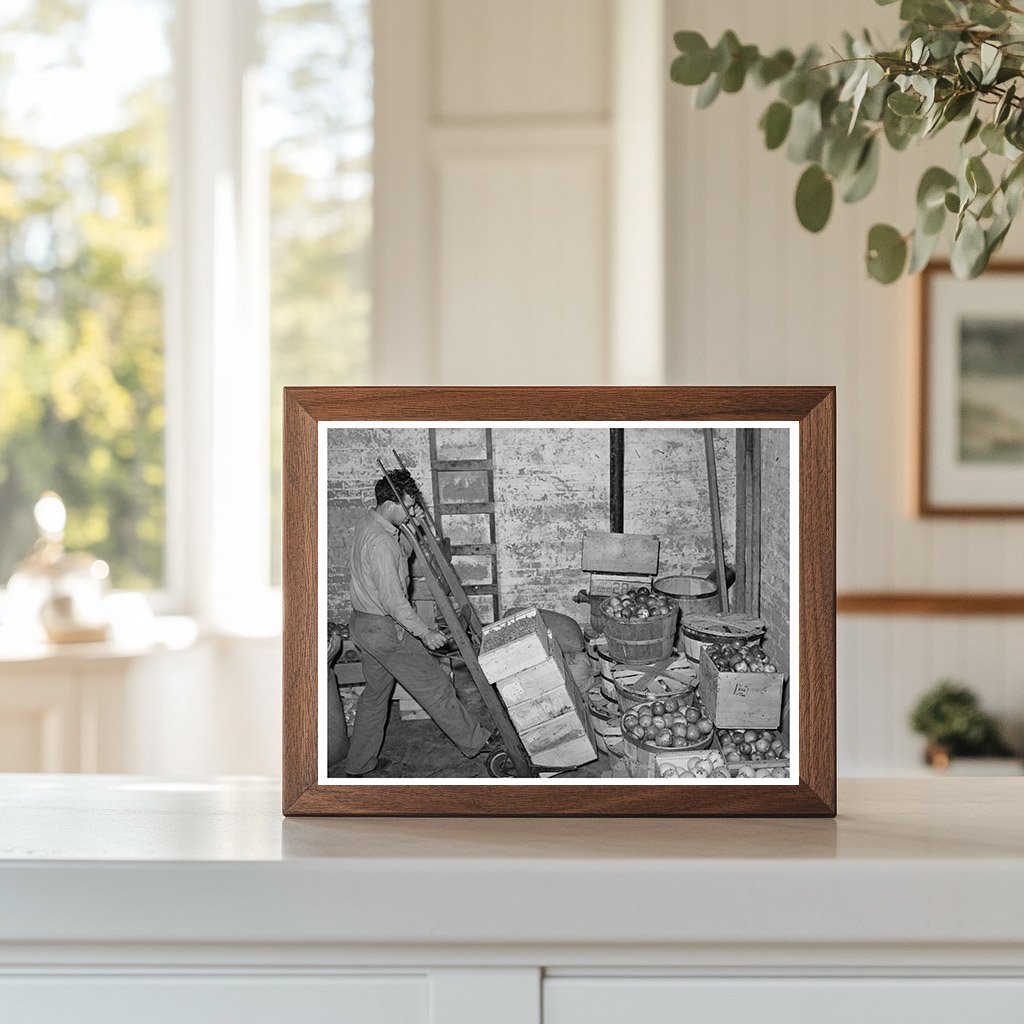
[{"x": 834, "y": 116}]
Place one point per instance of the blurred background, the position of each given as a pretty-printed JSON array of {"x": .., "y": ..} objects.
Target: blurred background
[{"x": 202, "y": 201}]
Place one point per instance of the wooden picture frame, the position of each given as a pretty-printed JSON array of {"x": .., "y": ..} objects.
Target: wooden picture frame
[
  {"x": 807, "y": 412},
  {"x": 958, "y": 464}
]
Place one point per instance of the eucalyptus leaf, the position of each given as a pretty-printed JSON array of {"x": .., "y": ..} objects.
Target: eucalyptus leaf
[
  {"x": 1005, "y": 105},
  {"x": 771, "y": 69},
  {"x": 840, "y": 152},
  {"x": 931, "y": 190},
  {"x": 993, "y": 138},
  {"x": 814, "y": 194},
  {"x": 724, "y": 51},
  {"x": 865, "y": 174},
  {"x": 978, "y": 176},
  {"x": 805, "y": 133},
  {"x": 968, "y": 247},
  {"x": 735, "y": 74},
  {"x": 1014, "y": 191},
  {"x": 932, "y": 221},
  {"x": 900, "y": 130},
  {"x": 775, "y": 123},
  {"x": 922, "y": 248},
  {"x": 707, "y": 93},
  {"x": 973, "y": 129},
  {"x": 886, "y": 253},
  {"x": 794, "y": 88},
  {"x": 987, "y": 15},
  {"x": 958, "y": 105},
  {"x": 873, "y": 106},
  {"x": 693, "y": 65},
  {"x": 991, "y": 60},
  {"x": 904, "y": 103},
  {"x": 952, "y": 202}
]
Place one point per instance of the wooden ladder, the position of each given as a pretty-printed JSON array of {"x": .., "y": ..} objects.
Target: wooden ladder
[{"x": 440, "y": 467}]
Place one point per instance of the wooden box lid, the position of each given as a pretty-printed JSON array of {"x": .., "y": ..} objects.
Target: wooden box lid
[{"x": 634, "y": 553}]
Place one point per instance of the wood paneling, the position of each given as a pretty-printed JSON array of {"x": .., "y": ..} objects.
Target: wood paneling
[
  {"x": 522, "y": 240},
  {"x": 753, "y": 298},
  {"x": 531, "y": 58}
]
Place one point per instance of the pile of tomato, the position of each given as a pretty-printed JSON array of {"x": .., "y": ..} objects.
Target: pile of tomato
[{"x": 638, "y": 603}]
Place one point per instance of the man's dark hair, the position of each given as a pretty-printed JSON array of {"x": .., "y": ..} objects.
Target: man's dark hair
[{"x": 401, "y": 481}]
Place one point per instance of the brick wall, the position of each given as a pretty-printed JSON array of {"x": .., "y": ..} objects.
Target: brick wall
[
  {"x": 775, "y": 561},
  {"x": 550, "y": 485}
]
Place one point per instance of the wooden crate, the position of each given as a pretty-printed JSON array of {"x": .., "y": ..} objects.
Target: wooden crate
[
  {"x": 549, "y": 714},
  {"x": 514, "y": 643},
  {"x": 618, "y": 562},
  {"x": 604, "y": 584},
  {"x": 740, "y": 700}
]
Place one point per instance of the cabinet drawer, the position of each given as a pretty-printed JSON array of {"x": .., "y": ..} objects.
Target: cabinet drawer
[
  {"x": 224, "y": 999},
  {"x": 569, "y": 1000}
]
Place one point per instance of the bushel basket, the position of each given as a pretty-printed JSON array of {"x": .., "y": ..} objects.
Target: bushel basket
[{"x": 641, "y": 640}]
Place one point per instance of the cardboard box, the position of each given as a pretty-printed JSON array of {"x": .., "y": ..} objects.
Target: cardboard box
[{"x": 740, "y": 700}]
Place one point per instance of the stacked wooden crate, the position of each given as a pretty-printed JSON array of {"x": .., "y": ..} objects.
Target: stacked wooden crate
[{"x": 524, "y": 663}]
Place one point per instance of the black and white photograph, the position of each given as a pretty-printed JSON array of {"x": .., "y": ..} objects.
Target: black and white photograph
[{"x": 593, "y": 603}]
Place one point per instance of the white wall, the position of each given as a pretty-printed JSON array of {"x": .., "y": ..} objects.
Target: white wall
[
  {"x": 755, "y": 299},
  {"x": 508, "y": 133},
  {"x": 518, "y": 239}
]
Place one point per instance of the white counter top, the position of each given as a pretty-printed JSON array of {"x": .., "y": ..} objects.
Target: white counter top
[{"x": 122, "y": 860}]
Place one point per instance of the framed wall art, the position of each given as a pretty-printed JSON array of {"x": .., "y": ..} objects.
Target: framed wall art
[
  {"x": 970, "y": 444},
  {"x": 559, "y": 601}
]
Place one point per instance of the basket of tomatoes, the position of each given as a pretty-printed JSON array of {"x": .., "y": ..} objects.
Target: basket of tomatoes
[
  {"x": 640, "y": 626},
  {"x": 659, "y": 727}
]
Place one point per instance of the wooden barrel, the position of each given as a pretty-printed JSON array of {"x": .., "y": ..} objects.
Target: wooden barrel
[
  {"x": 700, "y": 630},
  {"x": 640, "y": 684},
  {"x": 639, "y": 755},
  {"x": 607, "y": 671},
  {"x": 692, "y": 593},
  {"x": 632, "y": 640},
  {"x": 606, "y": 720}
]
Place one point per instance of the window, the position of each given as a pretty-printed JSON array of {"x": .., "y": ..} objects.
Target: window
[
  {"x": 317, "y": 117},
  {"x": 202, "y": 165},
  {"x": 83, "y": 237}
]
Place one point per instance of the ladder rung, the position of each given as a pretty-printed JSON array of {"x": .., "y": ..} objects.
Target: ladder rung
[
  {"x": 479, "y": 589},
  {"x": 474, "y": 549},
  {"x": 463, "y": 465},
  {"x": 468, "y": 508}
]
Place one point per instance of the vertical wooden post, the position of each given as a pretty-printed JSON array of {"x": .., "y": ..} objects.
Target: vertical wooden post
[
  {"x": 742, "y": 500},
  {"x": 716, "y": 519},
  {"x": 616, "y": 479},
  {"x": 748, "y": 520}
]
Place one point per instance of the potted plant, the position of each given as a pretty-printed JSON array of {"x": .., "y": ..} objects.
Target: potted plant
[
  {"x": 950, "y": 717},
  {"x": 956, "y": 62}
]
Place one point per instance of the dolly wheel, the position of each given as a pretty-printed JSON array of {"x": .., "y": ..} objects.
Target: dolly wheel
[{"x": 501, "y": 766}]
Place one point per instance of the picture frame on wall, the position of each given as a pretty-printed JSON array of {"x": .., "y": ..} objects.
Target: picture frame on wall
[
  {"x": 970, "y": 383},
  {"x": 559, "y": 601}
]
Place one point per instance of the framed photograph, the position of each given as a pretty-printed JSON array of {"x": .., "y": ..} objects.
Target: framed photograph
[
  {"x": 559, "y": 601},
  {"x": 970, "y": 450}
]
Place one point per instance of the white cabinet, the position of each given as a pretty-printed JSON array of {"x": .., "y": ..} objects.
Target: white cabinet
[
  {"x": 204, "y": 999},
  {"x": 828, "y": 1000},
  {"x": 127, "y": 899}
]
